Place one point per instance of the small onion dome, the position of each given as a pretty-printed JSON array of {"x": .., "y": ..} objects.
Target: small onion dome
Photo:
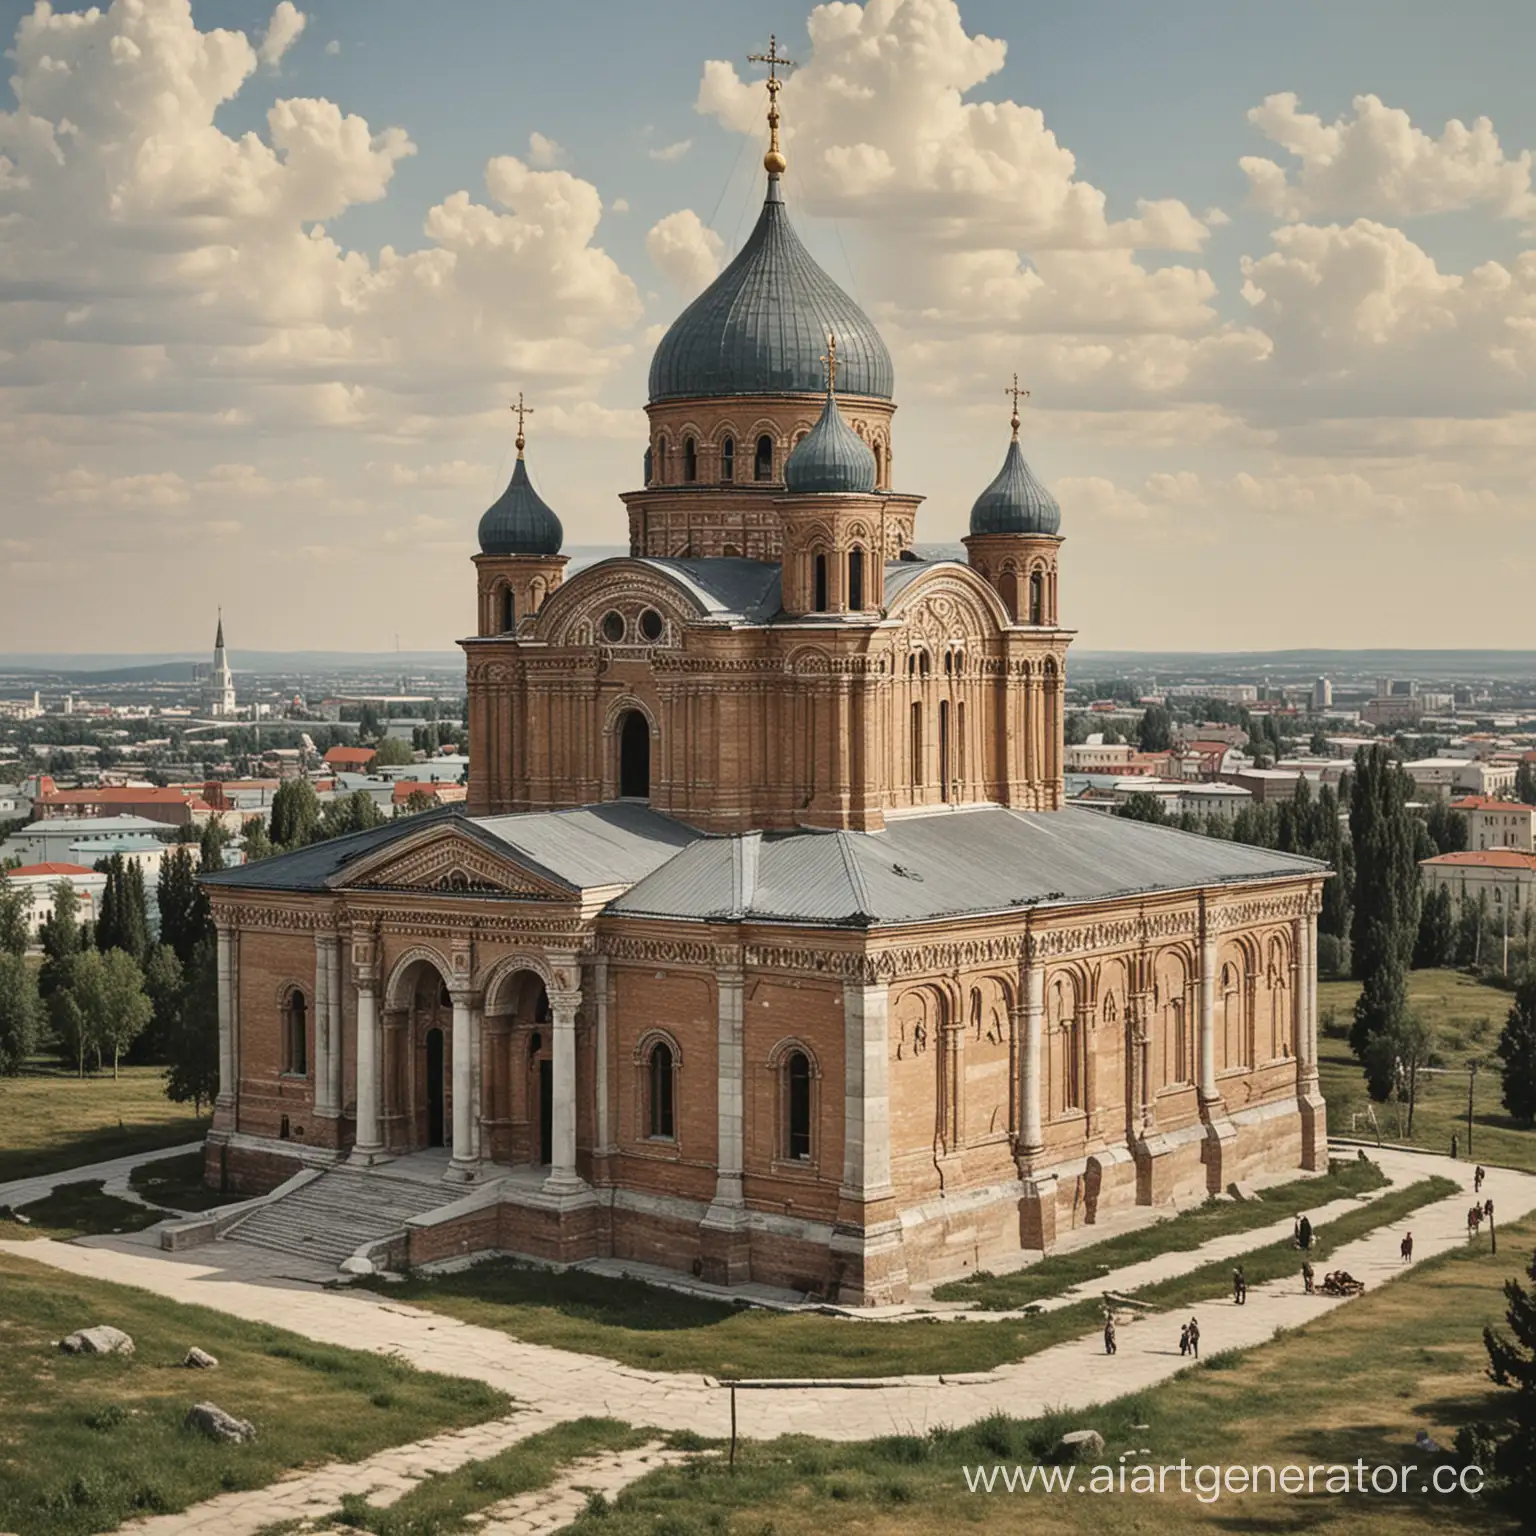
[
  {"x": 520, "y": 522},
  {"x": 831, "y": 457},
  {"x": 1015, "y": 502}
]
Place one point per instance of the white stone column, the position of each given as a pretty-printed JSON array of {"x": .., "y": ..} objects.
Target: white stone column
[
  {"x": 730, "y": 1149},
  {"x": 563, "y": 1178},
  {"x": 1033, "y": 1133},
  {"x": 866, "y": 1092},
  {"x": 368, "y": 1144},
  {"x": 1306, "y": 1040},
  {"x": 226, "y": 975},
  {"x": 465, "y": 1163},
  {"x": 1207, "y": 1062},
  {"x": 327, "y": 1036}
]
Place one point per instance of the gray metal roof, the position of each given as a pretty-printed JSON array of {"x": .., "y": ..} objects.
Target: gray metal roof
[
  {"x": 1016, "y": 501},
  {"x": 589, "y": 846},
  {"x": 949, "y": 864},
  {"x": 726, "y": 587},
  {"x": 761, "y": 326},
  {"x": 520, "y": 521},
  {"x": 830, "y": 457}
]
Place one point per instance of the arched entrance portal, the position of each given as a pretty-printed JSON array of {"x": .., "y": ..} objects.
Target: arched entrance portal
[
  {"x": 437, "y": 1095},
  {"x": 518, "y": 1069},
  {"x": 634, "y": 756},
  {"x": 417, "y": 1066}
]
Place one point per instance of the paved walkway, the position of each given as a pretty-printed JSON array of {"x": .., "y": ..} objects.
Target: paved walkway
[
  {"x": 113, "y": 1173},
  {"x": 552, "y": 1508},
  {"x": 558, "y": 1384}
]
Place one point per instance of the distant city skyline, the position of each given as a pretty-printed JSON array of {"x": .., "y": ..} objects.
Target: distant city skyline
[{"x": 1267, "y": 272}]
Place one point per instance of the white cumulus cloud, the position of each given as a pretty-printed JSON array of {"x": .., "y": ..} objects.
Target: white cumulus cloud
[
  {"x": 685, "y": 251},
  {"x": 287, "y": 22}
]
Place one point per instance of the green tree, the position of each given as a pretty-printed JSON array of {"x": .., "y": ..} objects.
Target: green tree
[
  {"x": 1516, "y": 1051},
  {"x": 350, "y": 813},
  {"x": 184, "y": 914},
  {"x": 21, "y": 1013},
  {"x": 1512, "y": 1363},
  {"x": 295, "y": 814},
  {"x": 258, "y": 845},
  {"x": 1471, "y": 923},
  {"x": 76, "y": 1007},
  {"x": 1525, "y": 783},
  {"x": 1109, "y": 734},
  {"x": 1143, "y": 807},
  {"x": 164, "y": 981},
  {"x": 124, "y": 1006},
  {"x": 194, "y": 1067},
  {"x": 393, "y": 753},
  {"x": 123, "y": 922},
  {"x": 420, "y": 800},
  {"x": 1317, "y": 746},
  {"x": 1436, "y": 943},
  {"x": 368, "y": 723},
  {"x": 61, "y": 938},
  {"x": 1156, "y": 731},
  {"x": 1447, "y": 828},
  {"x": 1395, "y": 1058},
  {"x": 210, "y": 847},
  {"x": 15, "y": 911},
  {"x": 1386, "y": 918}
]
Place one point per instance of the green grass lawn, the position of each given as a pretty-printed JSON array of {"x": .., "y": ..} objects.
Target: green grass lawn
[
  {"x": 177, "y": 1184},
  {"x": 1467, "y": 1016},
  {"x": 1356, "y": 1383},
  {"x": 89, "y": 1442},
  {"x": 657, "y": 1329},
  {"x": 81, "y": 1210},
  {"x": 1059, "y": 1272},
  {"x": 51, "y": 1120}
]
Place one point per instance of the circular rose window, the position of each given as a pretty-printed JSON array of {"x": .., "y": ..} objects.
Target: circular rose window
[
  {"x": 651, "y": 625},
  {"x": 613, "y": 626}
]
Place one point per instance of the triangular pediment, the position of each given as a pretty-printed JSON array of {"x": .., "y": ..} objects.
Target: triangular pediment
[{"x": 446, "y": 861}]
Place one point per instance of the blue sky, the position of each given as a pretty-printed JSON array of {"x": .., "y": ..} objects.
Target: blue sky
[{"x": 215, "y": 383}]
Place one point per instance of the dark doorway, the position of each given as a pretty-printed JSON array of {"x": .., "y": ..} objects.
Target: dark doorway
[
  {"x": 634, "y": 756},
  {"x": 435, "y": 1088},
  {"x": 546, "y": 1111}
]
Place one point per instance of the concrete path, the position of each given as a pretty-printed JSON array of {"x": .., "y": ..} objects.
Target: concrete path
[
  {"x": 113, "y": 1173},
  {"x": 552, "y": 1508},
  {"x": 558, "y": 1384}
]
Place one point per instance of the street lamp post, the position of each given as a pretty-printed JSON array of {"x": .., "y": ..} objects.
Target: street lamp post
[{"x": 1472, "y": 1067}]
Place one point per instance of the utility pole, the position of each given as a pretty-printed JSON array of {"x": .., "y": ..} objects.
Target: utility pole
[{"x": 1472, "y": 1067}]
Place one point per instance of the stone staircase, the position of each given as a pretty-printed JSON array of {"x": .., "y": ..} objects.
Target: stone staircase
[{"x": 330, "y": 1218}]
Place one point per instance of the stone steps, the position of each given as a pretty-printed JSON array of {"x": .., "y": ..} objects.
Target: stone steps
[{"x": 333, "y": 1216}]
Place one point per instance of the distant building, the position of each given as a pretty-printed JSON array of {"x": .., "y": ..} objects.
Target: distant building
[
  {"x": 1446, "y": 776},
  {"x": 67, "y": 839},
  {"x": 171, "y": 807},
  {"x": 42, "y": 880},
  {"x": 1506, "y": 877},
  {"x": 219, "y": 690},
  {"x": 1322, "y": 695},
  {"x": 1497, "y": 823},
  {"x": 1266, "y": 785},
  {"x": 350, "y": 759},
  {"x": 1099, "y": 757}
]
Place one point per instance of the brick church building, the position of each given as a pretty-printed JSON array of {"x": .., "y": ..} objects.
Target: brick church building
[{"x": 764, "y": 947}]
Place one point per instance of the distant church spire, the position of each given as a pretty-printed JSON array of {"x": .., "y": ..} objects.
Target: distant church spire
[{"x": 218, "y": 639}]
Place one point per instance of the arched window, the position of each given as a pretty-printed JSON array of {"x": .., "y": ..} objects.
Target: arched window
[
  {"x": 690, "y": 460},
  {"x": 944, "y": 749},
  {"x": 728, "y": 459},
  {"x": 295, "y": 1034},
  {"x": 661, "y": 461},
  {"x": 1009, "y": 591},
  {"x": 880, "y": 464},
  {"x": 661, "y": 1070},
  {"x": 762, "y": 463},
  {"x": 634, "y": 756},
  {"x": 649, "y": 466},
  {"x": 856, "y": 580},
  {"x": 819, "y": 600},
  {"x": 797, "y": 1107},
  {"x": 949, "y": 663},
  {"x": 508, "y": 610},
  {"x": 917, "y": 746},
  {"x": 1036, "y": 598},
  {"x": 924, "y": 663}
]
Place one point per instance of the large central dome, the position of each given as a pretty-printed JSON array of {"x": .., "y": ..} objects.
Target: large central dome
[{"x": 761, "y": 327}]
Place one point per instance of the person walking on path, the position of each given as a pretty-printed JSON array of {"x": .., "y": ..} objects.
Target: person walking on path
[
  {"x": 1109, "y": 1335},
  {"x": 1308, "y": 1275},
  {"x": 1477, "y": 1180},
  {"x": 1239, "y": 1287},
  {"x": 1455, "y": 1145},
  {"x": 1405, "y": 1249},
  {"x": 1194, "y": 1338},
  {"x": 1304, "y": 1233},
  {"x": 1184, "y": 1339},
  {"x": 1474, "y": 1220}
]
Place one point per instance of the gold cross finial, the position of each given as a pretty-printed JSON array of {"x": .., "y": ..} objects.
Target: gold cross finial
[
  {"x": 520, "y": 410},
  {"x": 773, "y": 162},
  {"x": 829, "y": 357},
  {"x": 1018, "y": 394}
]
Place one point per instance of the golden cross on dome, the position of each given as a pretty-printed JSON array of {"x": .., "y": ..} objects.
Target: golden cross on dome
[
  {"x": 829, "y": 357},
  {"x": 1018, "y": 394},
  {"x": 773, "y": 162},
  {"x": 520, "y": 410}
]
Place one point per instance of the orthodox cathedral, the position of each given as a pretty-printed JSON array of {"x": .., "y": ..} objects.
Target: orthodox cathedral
[{"x": 764, "y": 947}]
